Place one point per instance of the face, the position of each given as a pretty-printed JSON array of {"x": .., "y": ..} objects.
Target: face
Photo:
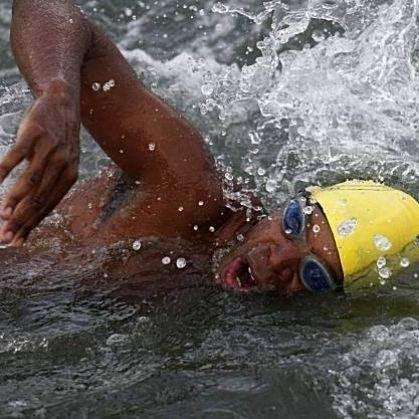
[{"x": 270, "y": 259}]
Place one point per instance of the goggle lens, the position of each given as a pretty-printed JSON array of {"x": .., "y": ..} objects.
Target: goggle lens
[
  {"x": 293, "y": 219},
  {"x": 313, "y": 274},
  {"x": 315, "y": 277}
]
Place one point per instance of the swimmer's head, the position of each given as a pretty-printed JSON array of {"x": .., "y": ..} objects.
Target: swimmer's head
[
  {"x": 322, "y": 240},
  {"x": 289, "y": 251}
]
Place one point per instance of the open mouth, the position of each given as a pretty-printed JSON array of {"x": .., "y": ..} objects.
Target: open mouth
[{"x": 238, "y": 275}]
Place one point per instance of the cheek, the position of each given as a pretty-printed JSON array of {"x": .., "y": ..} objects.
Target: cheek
[
  {"x": 287, "y": 274},
  {"x": 295, "y": 286}
]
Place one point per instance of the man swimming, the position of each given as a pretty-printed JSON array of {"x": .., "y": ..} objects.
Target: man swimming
[{"x": 320, "y": 240}]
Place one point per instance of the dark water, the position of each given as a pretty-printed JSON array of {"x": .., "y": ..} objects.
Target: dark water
[{"x": 287, "y": 94}]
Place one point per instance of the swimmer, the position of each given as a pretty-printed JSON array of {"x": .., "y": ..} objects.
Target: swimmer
[{"x": 322, "y": 240}]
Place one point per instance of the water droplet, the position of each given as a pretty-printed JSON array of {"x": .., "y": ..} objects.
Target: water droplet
[
  {"x": 308, "y": 210},
  {"x": 381, "y": 262},
  {"x": 195, "y": 227},
  {"x": 271, "y": 186},
  {"x": 201, "y": 203},
  {"x": 347, "y": 227},
  {"x": 329, "y": 4},
  {"x": 181, "y": 263},
  {"x": 382, "y": 242},
  {"x": 255, "y": 138},
  {"x": 316, "y": 228},
  {"x": 207, "y": 89},
  {"x": 240, "y": 237},
  {"x": 136, "y": 245},
  {"x": 229, "y": 176},
  {"x": 384, "y": 273},
  {"x": 96, "y": 86},
  {"x": 404, "y": 262},
  {"x": 166, "y": 260},
  {"x": 211, "y": 229},
  {"x": 220, "y": 8},
  {"x": 318, "y": 36},
  {"x": 180, "y": 209},
  {"x": 261, "y": 171},
  {"x": 152, "y": 146},
  {"x": 111, "y": 83}
]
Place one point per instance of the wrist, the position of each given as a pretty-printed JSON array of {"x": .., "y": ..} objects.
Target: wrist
[
  {"x": 61, "y": 90},
  {"x": 61, "y": 93}
]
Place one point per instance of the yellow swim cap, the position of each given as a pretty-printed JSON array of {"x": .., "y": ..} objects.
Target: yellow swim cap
[{"x": 368, "y": 220}]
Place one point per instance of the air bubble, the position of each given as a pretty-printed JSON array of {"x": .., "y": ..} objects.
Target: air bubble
[
  {"x": 152, "y": 146},
  {"x": 316, "y": 229},
  {"x": 96, "y": 86}
]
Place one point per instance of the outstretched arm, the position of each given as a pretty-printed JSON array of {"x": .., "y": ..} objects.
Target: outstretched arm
[
  {"x": 49, "y": 40},
  {"x": 144, "y": 136}
]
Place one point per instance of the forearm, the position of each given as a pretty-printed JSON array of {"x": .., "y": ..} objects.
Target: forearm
[
  {"x": 49, "y": 39},
  {"x": 139, "y": 131}
]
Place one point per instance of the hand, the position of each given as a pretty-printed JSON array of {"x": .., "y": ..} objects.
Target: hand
[{"x": 48, "y": 138}]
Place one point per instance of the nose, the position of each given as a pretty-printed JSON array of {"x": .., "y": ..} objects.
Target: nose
[
  {"x": 258, "y": 259},
  {"x": 271, "y": 263},
  {"x": 284, "y": 256}
]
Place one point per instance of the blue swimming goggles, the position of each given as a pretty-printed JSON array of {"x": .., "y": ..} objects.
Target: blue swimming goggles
[{"x": 314, "y": 275}]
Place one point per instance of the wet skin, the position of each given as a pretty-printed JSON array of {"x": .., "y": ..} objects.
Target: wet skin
[
  {"x": 269, "y": 259},
  {"x": 175, "y": 186}
]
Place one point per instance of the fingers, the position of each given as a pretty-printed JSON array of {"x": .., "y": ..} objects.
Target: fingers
[
  {"x": 12, "y": 159},
  {"x": 28, "y": 181},
  {"x": 26, "y": 137},
  {"x": 38, "y": 204}
]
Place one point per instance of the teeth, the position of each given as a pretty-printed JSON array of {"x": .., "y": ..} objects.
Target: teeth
[{"x": 251, "y": 274}]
